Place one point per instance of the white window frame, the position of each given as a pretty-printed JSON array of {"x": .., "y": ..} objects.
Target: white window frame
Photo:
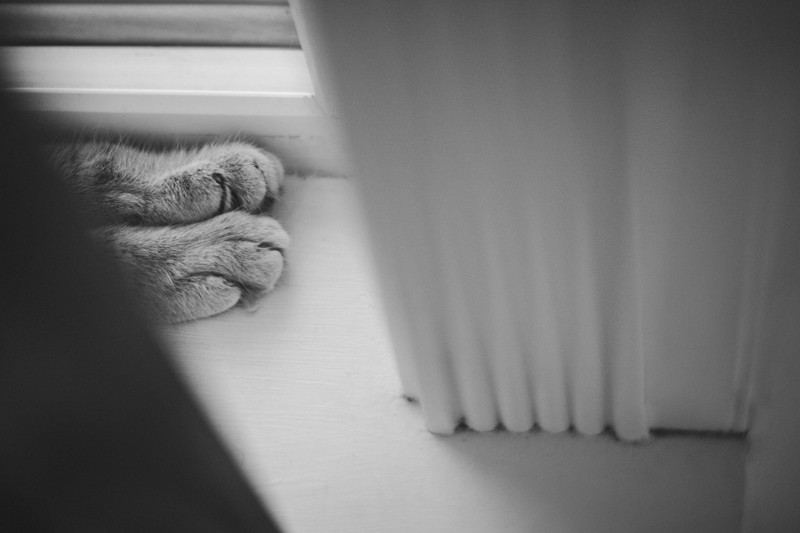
[
  {"x": 187, "y": 91},
  {"x": 180, "y": 80}
]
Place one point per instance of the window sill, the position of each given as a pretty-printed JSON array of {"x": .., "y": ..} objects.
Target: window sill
[{"x": 304, "y": 391}]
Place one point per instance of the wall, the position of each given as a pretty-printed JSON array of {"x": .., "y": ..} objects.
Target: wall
[{"x": 773, "y": 465}]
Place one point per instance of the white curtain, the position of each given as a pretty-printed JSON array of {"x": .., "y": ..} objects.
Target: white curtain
[{"x": 569, "y": 201}]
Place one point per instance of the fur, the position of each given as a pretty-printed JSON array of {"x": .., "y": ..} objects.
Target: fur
[{"x": 184, "y": 221}]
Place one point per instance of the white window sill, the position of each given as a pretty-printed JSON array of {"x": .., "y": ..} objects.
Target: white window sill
[{"x": 305, "y": 392}]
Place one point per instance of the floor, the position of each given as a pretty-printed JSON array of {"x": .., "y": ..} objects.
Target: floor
[{"x": 306, "y": 395}]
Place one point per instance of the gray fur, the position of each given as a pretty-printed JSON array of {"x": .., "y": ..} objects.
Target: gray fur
[{"x": 183, "y": 220}]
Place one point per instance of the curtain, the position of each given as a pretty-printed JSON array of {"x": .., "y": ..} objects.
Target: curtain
[{"x": 569, "y": 202}]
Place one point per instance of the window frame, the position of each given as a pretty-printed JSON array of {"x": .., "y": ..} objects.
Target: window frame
[{"x": 265, "y": 92}]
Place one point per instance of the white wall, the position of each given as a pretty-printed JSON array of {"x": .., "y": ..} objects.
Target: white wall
[
  {"x": 773, "y": 463},
  {"x": 773, "y": 466}
]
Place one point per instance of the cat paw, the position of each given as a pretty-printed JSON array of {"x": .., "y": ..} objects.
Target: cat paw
[
  {"x": 234, "y": 258},
  {"x": 191, "y": 271},
  {"x": 219, "y": 178},
  {"x": 248, "y": 177},
  {"x": 196, "y": 297},
  {"x": 247, "y": 250}
]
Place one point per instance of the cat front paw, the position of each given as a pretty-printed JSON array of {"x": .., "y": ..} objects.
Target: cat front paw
[
  {"x": 190, "y": 271},
  {"x": 250, "y": 251},
  {"x": 220, "y": 178},
  {"x": 244, "y": 252},
  {"x": 249, "y": 178}
]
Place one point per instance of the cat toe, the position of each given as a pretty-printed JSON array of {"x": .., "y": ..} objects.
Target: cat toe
[
  {"x": 263, "y": 267},
  {"x": 248, "y": 249},
  {"x": 271, "y": 170},
  {"x": 253, "y": 175},
  {"x": 197, "y": 296}
]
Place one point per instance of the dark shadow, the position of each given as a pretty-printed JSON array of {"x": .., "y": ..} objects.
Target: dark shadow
[{"x": 97, "y": 431}]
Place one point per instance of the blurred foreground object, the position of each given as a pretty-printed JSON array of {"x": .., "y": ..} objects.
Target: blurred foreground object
[{"x": 97, "y": 432}]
